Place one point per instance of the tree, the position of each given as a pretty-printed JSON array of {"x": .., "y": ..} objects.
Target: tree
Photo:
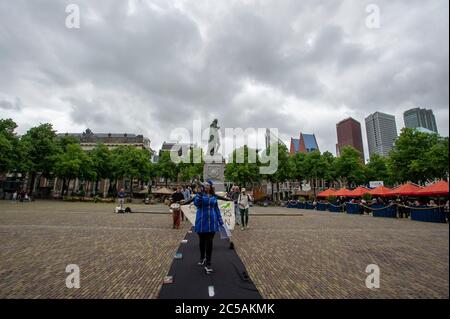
[
  {"x": 329, "y": 162},
  {"x": 165, "y": 167},
  {"x": 283, "y": 171},
  {"x": 315, "y": 168},
  {"x": 130, "y": 162},
  {"x": 377, "y": 169},
  {"x": 193, "y": 167},
  {"x": 297, "y": 168},
  {"x": 414, "y": 155},
  {"x": 40, "y": 148},
  {"x": 9, "y": 146},
  {"x": 101, "y": 163},
  {"x": 350, "y": 167},
  {"x": 437, "y": 159},
  {"x": 73, "y": 163},
  {"x": 246, "y": 172}
]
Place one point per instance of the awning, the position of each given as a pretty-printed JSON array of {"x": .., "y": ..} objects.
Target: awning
[
  {"x": 327, "y": 193},
  {"x": 381, "y": 191},
  {"x": 437, "y": 189},
  {"x": 360, "y": 191},
  {"x": 344, "y": 192},
  {"x": 406, "y": 190}
]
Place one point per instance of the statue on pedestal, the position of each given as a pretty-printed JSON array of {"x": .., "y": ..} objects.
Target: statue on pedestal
[{"x": 214, "y": 163}]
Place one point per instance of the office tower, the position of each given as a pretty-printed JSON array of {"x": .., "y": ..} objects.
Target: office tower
[
  {"x": 418, "y": 117},
  {"x": 381, "y": 133},
  {"x": 349, "y": 134}
]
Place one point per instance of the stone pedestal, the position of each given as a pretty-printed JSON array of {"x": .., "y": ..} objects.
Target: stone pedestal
[{"x": 215, "y": 172}]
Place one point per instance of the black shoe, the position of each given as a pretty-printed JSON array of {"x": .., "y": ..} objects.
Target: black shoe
[
  {"x": 208, "y": 270},
  {"x": 201, "y": 262}
]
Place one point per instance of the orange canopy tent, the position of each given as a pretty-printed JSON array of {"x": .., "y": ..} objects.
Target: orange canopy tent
[
  {"x": 326, "y": 193},
  {"x": 358, "y": 192},
  {"x": 344, "y": 192},
  {"x": 437, "y": 189},
  {"x": 406, "y": 190},
  {"x": 381, "y": 191}
]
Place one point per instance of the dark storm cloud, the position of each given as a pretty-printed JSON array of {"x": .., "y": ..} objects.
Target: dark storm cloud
[{"x": 151, "y": 66}]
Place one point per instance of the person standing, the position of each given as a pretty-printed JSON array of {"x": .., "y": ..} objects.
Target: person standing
[
  {"x": 177, "y": 198},
  {"x": 207, "y": 222},
  {"x": 121, "y": 196},
  {"x": 244, "y": 205},
  {"x": 14, "y": 197},
  {"x": 234, "y": 195}
]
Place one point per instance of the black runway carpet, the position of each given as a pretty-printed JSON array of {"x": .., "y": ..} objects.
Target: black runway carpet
[{"x": 229, "y": 280}]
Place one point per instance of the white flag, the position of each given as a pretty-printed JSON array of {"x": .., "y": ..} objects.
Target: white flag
[{"x": 226, "y": 211}]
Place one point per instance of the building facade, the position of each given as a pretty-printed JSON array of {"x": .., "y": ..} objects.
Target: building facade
[
  {"x": 349, "y": 134},
  {"x": 307, "y": 143},
  {"x": 88, "y": 140},
  {"x": 381, "y": 133},
  {"x": 418, "y": 117}
]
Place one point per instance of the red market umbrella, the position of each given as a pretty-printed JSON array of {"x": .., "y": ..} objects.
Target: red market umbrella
[
  {"x": 437, "y": 189},
  {"x": 358, "y": 192},
  {"x": 406, "y": 190},
  {"x": 381, "y": 191},
  {"x": 344, "y": 192},
  {"x": 326, "y": 193}
]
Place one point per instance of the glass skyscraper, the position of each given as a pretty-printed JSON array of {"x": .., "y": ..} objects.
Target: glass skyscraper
[
  {"x": 381, "y": 133},
  {"x": 418, "y": 117}
]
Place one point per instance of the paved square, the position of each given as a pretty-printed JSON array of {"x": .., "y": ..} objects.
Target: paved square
[{"x": 311, "y": 255}]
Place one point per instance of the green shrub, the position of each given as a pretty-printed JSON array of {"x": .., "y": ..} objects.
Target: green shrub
[
  {"x": 331, "y": 199},
  {"x": 366, "y": 197}
]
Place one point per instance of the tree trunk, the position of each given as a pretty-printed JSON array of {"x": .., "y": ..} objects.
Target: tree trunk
[
  {"x": 33, "y": 179},
  {"x": 131, "y": 187},
  {"x": 272, "y": 189},
  {"x": 63, "y": 191}
]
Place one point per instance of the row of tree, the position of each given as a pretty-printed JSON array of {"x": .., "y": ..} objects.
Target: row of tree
[
  {"x": 42, "y": 151},
  {"x": 417, "y": 157}
]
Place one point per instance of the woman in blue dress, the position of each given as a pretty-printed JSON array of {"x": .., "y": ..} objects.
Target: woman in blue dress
[{"x": 207, "y": 222}]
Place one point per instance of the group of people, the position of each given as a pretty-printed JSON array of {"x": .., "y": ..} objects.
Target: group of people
[{"x": 21, "y": 197}]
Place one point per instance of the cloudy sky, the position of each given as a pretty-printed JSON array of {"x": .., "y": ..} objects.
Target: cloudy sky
[{"x": 149, "y": 66}]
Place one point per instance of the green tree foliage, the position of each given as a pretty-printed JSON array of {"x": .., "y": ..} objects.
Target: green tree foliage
[
  {"x": 192, "y": 167},
  {"x": 73, "y": 163},
  {"x": 40, "y": 147},
  {"x": 329, "y": 162},
  {"x": 7, "y": 140},
  {"x": 349, "y": 166},
  {"x": 130, "y": 162},
  {"x": 242, "y": 170},
  {"x": 418, "y": 157},
  {"x": 166, "y": 168},
  {"x": 297, "y": 167},
  {"x": 283, "y": 172},
  {"x": 315, "y": 167},
  {"x": 101, "y": 163},
  {"x": 377, "y": 169}
]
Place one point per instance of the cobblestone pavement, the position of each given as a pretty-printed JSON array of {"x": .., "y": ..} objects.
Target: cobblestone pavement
[
  {"x": 312, "y": 255},
  {"x": 120, "y": 256},
  {"x": 325, "y": 255}
]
